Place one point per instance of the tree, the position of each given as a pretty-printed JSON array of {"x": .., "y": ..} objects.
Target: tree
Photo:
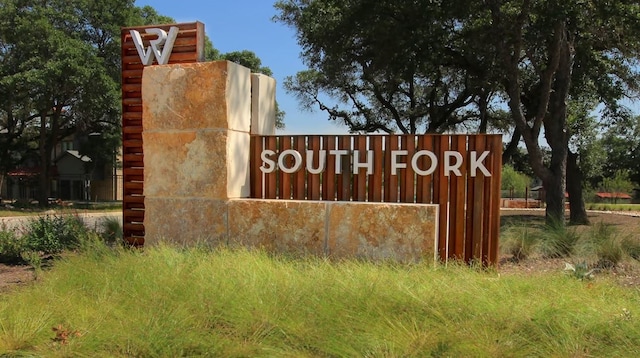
[
  {"x": 550, "y": 52},
  {"x": 514, "y": 181},
  {"x": 250, "y": 60},
  {"x": 618, "y": 183},
  {"x": 584, "y": 158},
  {"x": 386, "y": 66},
  {"x": 399, "y": 65},
  {"x": 61, "y": 68},
  {"x": 621, "y": 143}
]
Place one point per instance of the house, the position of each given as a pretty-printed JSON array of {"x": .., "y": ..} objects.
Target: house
[
  {"x": 73, "y": 181},
  {"x": 602, "y": 197},
  {"x": 73, "y": 177}
]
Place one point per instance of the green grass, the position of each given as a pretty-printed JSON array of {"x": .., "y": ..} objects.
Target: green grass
[
  {"x": 80, "y": 207},
  {"x": 613, "y": 207},
  {"x": 168, "y": 302}
]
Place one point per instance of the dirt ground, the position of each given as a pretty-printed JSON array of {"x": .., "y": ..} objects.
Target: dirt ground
[
  {"x": 626, "y": 223},
  {"x": 12, "y": 276}
]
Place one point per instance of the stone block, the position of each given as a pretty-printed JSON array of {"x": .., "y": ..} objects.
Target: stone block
[
  {"x": 382, "y": 231},
  {"x": 238, "y": 159},
  {"x": 197, "y": 96},
  {"x": 185, "y": 221},
  {"x": 263, "y": 104},
  {"x": 282, "y": 226},
  {"x": 185, "y": 164}
]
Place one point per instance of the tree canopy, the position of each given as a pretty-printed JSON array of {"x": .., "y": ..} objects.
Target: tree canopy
[
  {"x": 60, "y": 75},
  {"x": 385, "y": 65},
  {"x": 397, "y": 66}
]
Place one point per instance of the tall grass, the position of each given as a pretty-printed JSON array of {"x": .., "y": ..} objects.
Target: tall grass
[{"x": 169, "y": 302}]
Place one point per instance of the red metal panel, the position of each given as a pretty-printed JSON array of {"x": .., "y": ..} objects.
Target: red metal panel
[
  {"x": 188, "y": 47},
  {"x": 390, "y": 181},
  {"x": 329, "y": 175},
  {"x": 457, "y": 197},
  {"x": 299, "y": 178},
  {"x": 360, "y": 176},
  {"x": 344, "y": 178},
  {"x": 408, "y": 181},
  {"x": 375, "y": 181},
  {"x": 284, "y": 179},
  {"x": 313, "y": 180},
  {"x": 270, "y": 179}
]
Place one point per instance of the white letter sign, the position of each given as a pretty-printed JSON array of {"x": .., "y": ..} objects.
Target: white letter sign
[{"x": 164, "y": 40}]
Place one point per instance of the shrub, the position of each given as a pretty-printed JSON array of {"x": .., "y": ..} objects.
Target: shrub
[
  {"x": 558, "y": 240},
  {"x": 110, "y": 230},
  {"x": 11, "y": 247},
  {"x": 53, "y": 234},
  {"x": 519, "y": 242},
  {"x": 607, "y": 246},
  {"x": 631, "y": 247}
]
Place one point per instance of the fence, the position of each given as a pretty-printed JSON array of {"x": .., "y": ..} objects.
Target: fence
[{"x": 452, "y": 171}]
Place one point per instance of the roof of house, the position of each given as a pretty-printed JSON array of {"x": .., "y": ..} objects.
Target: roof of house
[
  {"x": 613, "y": 195},
  {"x": 75, "y": 154}
]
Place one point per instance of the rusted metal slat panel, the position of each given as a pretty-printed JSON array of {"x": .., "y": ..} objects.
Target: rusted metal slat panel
[
  {"x": 132, "y": 185},
  {"x": 285, "y": 179},
  {"x": 299, "y": 178},
  {"x": 132, "y": 130},
  {"x": 375, "y": 181},
  {"x": 408, "y": 181},
  {"x": 360, "y": 175},
  {"x": 495, "y": 146},
  {"x": 468, "y": 244},
  {"x": 390, "y": 181},
  {"x": 344, "y": 177},
  {"x": 493, "y": 164},
  {"x": 190, "y": 38},
  {"x": 456, "y": 201},
  {"x": 442, "y": 145},
  {"x": 486, "y": 202},
  {"x": 132, "y": 205},
  {"x": 423, "y": 182},
  {"x": 478, "y": 207},
  {"x": 270, "y": 179},
  {"x": 313, "y": 180},
  {"x": 329, "y": 175},
  {"x": 134, "y": 214}
]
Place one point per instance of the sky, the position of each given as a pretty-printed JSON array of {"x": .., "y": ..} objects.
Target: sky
[{"x": 238, "y": 25}]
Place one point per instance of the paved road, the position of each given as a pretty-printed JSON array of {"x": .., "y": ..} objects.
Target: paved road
[{"x": 92, "y": 220}]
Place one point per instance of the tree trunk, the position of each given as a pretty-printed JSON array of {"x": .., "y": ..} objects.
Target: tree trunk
[
  {"x": 44, "y": 147},
  {"x": 554, "y": 186},
  {"x": 575, "y": 179},
  {"x": 557, "y": 135},
  {"x": 511, "y": 148}
]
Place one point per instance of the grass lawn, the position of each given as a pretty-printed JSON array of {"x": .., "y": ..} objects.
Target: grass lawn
[
  {"x": 31, "y": 210},
  {"x": 170, "y": 302}
]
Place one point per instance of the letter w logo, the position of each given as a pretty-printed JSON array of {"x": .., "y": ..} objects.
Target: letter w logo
[{"x": 161, "y": 55}]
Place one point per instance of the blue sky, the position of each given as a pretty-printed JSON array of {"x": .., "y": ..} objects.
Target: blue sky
[{"x": 246, "y": 25}]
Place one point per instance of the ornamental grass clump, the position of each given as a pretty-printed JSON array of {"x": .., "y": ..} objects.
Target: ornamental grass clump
[
  {"x": 604, "y": 245},
  {"x": 558, "y": 241},
  {"x": 519, "y": 241}
]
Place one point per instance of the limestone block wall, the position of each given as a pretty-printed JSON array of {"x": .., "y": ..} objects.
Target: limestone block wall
[
  {"x": 375, "y": 231},
  {"x": 196, "y": 124},
  {"x": 197, "y": 121}
]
